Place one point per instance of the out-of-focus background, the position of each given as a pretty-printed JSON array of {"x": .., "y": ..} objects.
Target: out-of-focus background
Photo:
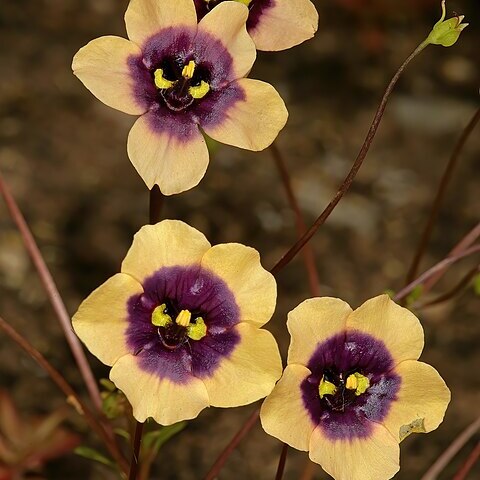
[{"x": 63, "y": 154}]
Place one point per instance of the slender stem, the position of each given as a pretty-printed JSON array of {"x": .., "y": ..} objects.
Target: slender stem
[
  {"x": 469, "y": 463},
  {"x": 440, "y": 266},
  {"x": 232, "y": 445},
  {"x": 53, "y": 295},
  {"x": 281, "y": 462},
  {"x": 286, "y": 259},
  {"x": 65, "y": 387},
  {"x": 446, "y": 457},
  {"x": 308, "y": 255},
  {"x": 137, "y": 441},
  {"x": 458, "y": 288},
  {"x": 154, "y": 215},
  {"x": 156, "y": 203},
  {"x": 461, "y": 246},
  {"x": 439, "y": 196}
]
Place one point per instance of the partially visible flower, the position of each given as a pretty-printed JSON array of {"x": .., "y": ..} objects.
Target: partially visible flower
[
  {"x": 182, "y": 77},
  {"x": 353, "y": 388},
  {"x": 274, "y": 24},
  {"x": 180, "y": 325},
  {"x": 447, "y": 32}
]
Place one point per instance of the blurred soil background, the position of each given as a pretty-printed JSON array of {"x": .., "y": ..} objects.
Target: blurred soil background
[{"x": 63, "y": 154}]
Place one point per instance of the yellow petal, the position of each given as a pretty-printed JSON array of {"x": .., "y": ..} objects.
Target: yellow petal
[
  {"x": 395, "y": 326},
  {"x": 168, "y": 243},
  {"x": 101, "y": 319},
  {"x": 227, "y": 22},
  {"x": 375, "y": 457},
  {"x": 312, "y": 322},
  {"x": 145, "y": 18},
  {"x": 254, "y": 288},
  {"x": 283, "y": 414},
  {"x": 151, "y": 396},
  {"x": 252, "y": 123},
  {"x": 421, "y": 401},
  {"x": 249, "y": 372},
  {"x": 285, "y": 24},
  {"x": 102, "y": 66},
  {"x": 173, "y": 163}
]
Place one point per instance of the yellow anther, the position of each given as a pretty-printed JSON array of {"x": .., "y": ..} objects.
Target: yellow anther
[
  {"x": 183, "y": 318},
  {"x": 326, "y": 388},
  {"x": 197, "y": 330},
  {"x": 358, "y": 382},
  {"x": 245, "y": 2},
  {"x": 160, "y": 81},
  {"x": 160, "y": 318},
  {"x": 189, "y": 70},
  {"x": 200, "y": 90}
]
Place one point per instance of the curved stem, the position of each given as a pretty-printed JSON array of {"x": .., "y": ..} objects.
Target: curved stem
[
  {"x": 232, "y": 445},
  {"x": 137, "y": 441},
  {"x": 281, "y": 462},
  {"x": 287, "y": 258},
  {"x": 458, "y": 288},
  {"x": 446, "y": 457},
  {"x": 440, "y": 266},
  {"x": 469, "y": 463},
  {"x": 442, "y": 188},
  {"x": 308, "y": 255},
  {"x": 65, "y": 387},
  {"x": 53, "y": 295},
  {"x": 460, "y": 247}
]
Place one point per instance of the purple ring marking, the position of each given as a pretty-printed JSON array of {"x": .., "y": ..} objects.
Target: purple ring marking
[
  {"x": 349, "y": 352},
  {"x": 182, "y": 44},
  {"x": 203, "y": 293}
]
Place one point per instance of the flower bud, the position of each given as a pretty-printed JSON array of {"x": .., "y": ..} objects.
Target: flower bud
[{"x": 446, "y": 32}]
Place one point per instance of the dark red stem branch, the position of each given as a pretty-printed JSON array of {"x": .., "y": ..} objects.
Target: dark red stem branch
[
  {"x": 308, "y": 255},
  {"x": 287, "y": 258},
  {"x": 281, "y": 462},
  {"x": 439, "y": 196},
  {"x": 65, "y": 387},
  {"x": 472, "y": 459},
  {"x": 53, "y": 295},
  {"x": 137, "y": 441}
]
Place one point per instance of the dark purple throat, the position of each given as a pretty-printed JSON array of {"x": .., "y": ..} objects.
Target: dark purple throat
[
  {"x": 345, "y": 415},
  {"x": 168, "y": 351}
]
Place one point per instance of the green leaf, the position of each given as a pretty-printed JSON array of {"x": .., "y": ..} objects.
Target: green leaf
[
  {"x": 156, "y": 439},
  {"x": 122, "y": 433},
  {"x": 92, "y": 454},
  {"x": 107, "y": 384}
]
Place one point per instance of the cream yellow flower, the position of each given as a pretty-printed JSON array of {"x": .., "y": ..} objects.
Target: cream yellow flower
[
  {"x": 183, "y": 78},
  {"x": 353, "y": 388},
  {"x": 180, "y": 325}
]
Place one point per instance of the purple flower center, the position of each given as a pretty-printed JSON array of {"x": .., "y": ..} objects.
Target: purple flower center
[
  {"x": 168, "y": 348},
  {"x": 347, "y": 413},
  {"x": 257, "y": 9}
]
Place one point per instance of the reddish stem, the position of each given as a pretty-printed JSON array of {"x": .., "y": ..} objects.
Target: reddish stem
[
  {"x": 137, "y": 441},
  {"x": 65, "y": 387},
  {"x": 440, "y": 266},
  {"x": 445, "y": 458},
  {"x": 439, "y": 196},
  {"x": 308, "y": 255},
  {"x": 232, "y": 445},
  {"x": 469, "y": 463},
  {"x": 156, "y": 203},
  {"x": 347, "y": 183},
  {"x": 53, "y": 295},
  {"x": 281, "y": 463}
]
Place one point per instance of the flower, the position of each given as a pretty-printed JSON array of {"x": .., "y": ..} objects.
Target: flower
[
  {"x": 353, "y": 388},
  {"x": 274, "y": 24},
  {"x": 180, "y": 76},
  {"x": 180, "y": 325},
  {"x": 446, "y": 32}
]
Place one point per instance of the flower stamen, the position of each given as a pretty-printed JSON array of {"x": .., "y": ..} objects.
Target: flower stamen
[
  {"x": 183, "y": 318},
  {"x": 161, "y": 82},
  {"x": 189, "y": 70},
  {"x": 358, "y": 382},
  {"x": 326, "y": 388},
  {"x": 160, "y": 317}
]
